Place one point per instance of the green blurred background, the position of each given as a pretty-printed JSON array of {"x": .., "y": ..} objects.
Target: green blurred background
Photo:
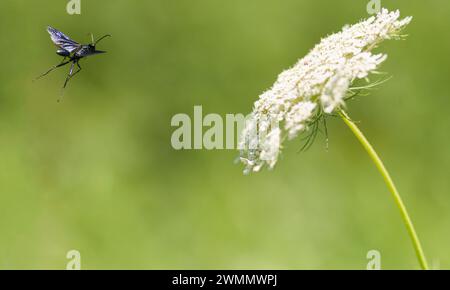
[{"x": 97, "y": 172}]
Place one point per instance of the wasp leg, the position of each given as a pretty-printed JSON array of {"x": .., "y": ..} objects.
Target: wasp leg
[
  {"x": 62, "y": 63},
  {"x": 67, "y": 80},
  {"x": 69, "y": 76},
  {"x": 79, "y": 69},
  {"x": 71, "y": 73}
]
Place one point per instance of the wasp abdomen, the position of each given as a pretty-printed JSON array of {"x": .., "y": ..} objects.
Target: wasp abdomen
[{"x": 63, "y": 52}]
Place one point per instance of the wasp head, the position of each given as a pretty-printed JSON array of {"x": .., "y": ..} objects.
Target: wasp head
[{"x": 93, "y": 50}]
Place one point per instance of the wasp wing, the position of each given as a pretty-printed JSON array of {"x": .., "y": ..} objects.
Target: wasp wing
[{"x": 61, "y": 40}]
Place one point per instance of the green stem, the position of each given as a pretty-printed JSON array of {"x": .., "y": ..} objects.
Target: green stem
[{"x": 387, "y": 178}]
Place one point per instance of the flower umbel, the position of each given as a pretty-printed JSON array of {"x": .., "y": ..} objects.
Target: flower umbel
[{"x": 317, "y": 84}]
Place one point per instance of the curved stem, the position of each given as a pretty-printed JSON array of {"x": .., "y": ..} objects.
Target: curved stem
[{"x": 387, "y": 178}]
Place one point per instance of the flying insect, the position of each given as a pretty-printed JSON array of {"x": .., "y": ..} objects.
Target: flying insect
[{"x": 71, "y": 50}]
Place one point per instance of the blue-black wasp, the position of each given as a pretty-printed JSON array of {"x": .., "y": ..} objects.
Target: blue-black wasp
[{"x": 72, "y": 50}]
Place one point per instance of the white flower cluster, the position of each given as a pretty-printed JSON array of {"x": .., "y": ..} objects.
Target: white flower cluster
[{"x": 317, "y": 83}]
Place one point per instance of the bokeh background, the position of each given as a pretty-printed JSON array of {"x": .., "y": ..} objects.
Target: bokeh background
[{"x": 97, "y": 172}]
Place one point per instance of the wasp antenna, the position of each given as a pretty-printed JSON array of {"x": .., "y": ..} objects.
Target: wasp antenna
[
  {"x": 92, "y": 37},
  {"x": 98, "y": 40}
]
